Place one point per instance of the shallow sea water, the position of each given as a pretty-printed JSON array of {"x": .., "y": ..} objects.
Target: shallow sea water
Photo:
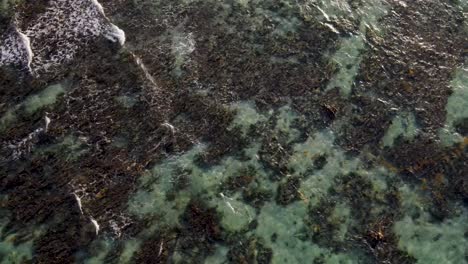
[{"x": 233, "y": 131}]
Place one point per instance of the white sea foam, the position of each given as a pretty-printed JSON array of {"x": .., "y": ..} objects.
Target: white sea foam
[
  {"x": 27, "y": 46},
  {"x": 96, "y": 225},
  {"x": 116, "y": 34},
  {"x": 142, "y": 66},
  {"x": 78, "y": 202},
  {"x": 57, "y": 35},
  {"x": 98, "y": 6},
  {"x": 16, "y": 49}
]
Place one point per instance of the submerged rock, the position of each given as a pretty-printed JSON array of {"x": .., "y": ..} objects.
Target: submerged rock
[{"x": 233, "y": 131}]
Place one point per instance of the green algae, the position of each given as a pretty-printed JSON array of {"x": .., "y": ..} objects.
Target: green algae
[
  {"x": 285, "y": 123},
  {"x": 403, "y": 125},
  {"x": 158, "y": 182},
  {"x": 130, "y": 248},
  {"x": 457, "y": 107},
  {"x": 370, "y": 13},
  {"x": 32, "y": 104},
  {"x": 246, "y": 117},
  {"x": 349, "y": 54},
  {"x": 104, "y": 248},
  {"x": 45, "y": 98},
  {"x": 434, "y": 242},
  {"x": 367, "y": 12},
  {"x": 347, "y": 58},
  {"x": 16, "y": 247},
  {"x": 8, "y": 118},
  {"x": 183, "y": 44},
  {"x": 341, "y": 215},
  {"x": 127, "y": 101},
  {"x": 318, "y": 182},
  {"x": 70, "y": 147},
  {"x": 204, "y": 183},
  {"x": 6, "y": 6},
  {"x": 157, "y": 196},
  {"x": 15, "y": 253},
  {"x": 316, "y": 165},
  {"x": 427, "y": 240},
  {"x": 285, "y": 223}
]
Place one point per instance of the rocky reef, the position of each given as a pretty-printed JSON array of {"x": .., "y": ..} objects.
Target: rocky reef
[{"x": 233, "y": 131}]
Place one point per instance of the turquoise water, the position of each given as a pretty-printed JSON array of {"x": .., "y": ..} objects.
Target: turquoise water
[{"x": 233, "y": 131}]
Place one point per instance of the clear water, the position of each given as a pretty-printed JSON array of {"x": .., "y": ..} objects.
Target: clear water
[{"x": 234, "y": 131}]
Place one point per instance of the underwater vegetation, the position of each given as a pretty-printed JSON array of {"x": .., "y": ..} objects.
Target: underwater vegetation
[{"x": 233, "y": 131}]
